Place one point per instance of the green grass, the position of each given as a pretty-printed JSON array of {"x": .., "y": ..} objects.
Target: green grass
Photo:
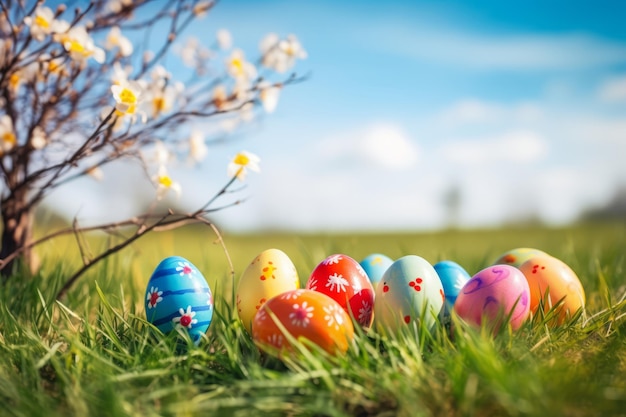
[{"x": 96, "y": 355}]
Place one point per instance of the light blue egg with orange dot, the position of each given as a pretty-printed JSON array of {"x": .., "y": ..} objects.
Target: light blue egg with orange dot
[
  {"x": 375, "y": 266},
  {"x": 178, "y": 296},
  {"x": 453, "y": 277}
]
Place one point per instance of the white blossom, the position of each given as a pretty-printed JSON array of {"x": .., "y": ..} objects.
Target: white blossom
[
  {"x": 115, "y": 39},
  {"x": 8, "y": 140},
  {"x": 241, "y": 163},
  {"x": 41, "y": 23},
  {"x": 80, "y": 46},
  {"x": 224, "y": 39}
]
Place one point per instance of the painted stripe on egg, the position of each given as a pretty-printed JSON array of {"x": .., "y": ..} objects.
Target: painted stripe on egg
[
  {"x": 205, "y": 290},
  {"x": 169, "y": 317}
]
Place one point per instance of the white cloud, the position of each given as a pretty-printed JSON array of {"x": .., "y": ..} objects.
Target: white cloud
[
  {"x": 381, "y": 145},
  {"x": 613, "y": 90},
  {"x": 473, "y": 111},
  {"x": 485, "y": 51},
  {"x": 521, "y": 147}
]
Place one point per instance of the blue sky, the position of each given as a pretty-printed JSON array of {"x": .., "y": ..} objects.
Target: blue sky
[{"x": 521, "y": 106}]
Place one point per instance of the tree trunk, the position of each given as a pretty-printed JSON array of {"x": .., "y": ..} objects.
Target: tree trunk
[{"x": 17, "y": 222}]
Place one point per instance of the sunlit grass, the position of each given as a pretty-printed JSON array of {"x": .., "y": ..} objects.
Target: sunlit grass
[{"x": 95, "y": 354}]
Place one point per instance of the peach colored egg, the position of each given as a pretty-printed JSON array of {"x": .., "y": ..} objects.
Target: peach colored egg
[
  {"x": 492, "y": 294},
  {"x": 269, "y": 274},
  {"x": 516, "y": 257},
  {"x": 303, "y": 314},
  {"x": 546, "y": 273},
  {"x": 342, "y": 278}
]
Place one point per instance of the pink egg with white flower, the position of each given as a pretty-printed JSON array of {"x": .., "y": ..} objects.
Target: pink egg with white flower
[{"x": 342, "y": 278}]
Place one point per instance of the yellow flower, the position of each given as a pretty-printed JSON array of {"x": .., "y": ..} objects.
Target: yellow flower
[
  {"x": 127, "y": 95},
  {"x": 165, "y": 183},
  {"x": 80, "y": 46},
  {"x": 241, "y": 163},
  {"x": 239, "y": 68},
  {"x": 41, "y": 22},
  {"x": 8, "y": 140}
]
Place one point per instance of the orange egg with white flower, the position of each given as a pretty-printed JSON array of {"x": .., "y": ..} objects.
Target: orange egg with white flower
[{"x": 302, "y": 315}]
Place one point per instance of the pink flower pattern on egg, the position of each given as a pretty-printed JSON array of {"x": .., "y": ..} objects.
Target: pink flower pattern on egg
[
  {"x": 184, "y": 269},
  {"x": 186, "y": 318},
  {"x": 154, "y": 297},
  {"x": 302, "y": 314}
]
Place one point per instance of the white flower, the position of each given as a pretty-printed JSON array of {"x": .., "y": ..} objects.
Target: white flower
[
  {"x": 269, "y": 42},
  {"x": 292, "y": 295},
  {"x": 128, "y": 95},
  {"x": 275, "y": 340},
  {"x": 41, "y": 23},
  {"x": 115, "y": 39},
  {"x": 240, "y": 164},
  {"x": 38, "y": 139},
  {"x": 161, "y": 100},
  {"x": 120, "y": 74},
  {"x": 8, "y": 140},
  {"x": 185, "y": 269},
  {"x": 224, "y": 39},
  {"x": 312, "y": 284},
  {"x": 220, "y": 97},
  {"x": 201, "y": 8},
  {"x": 301, "y": 315},
  {"x": 337, "y": 280},
  {"x": 165, "y": 183},
  {"x": 281, "y": 55},
  {"x": 116, "y": 6},
  {"x": 268, "y": 95},
  {"x": 193, "y": 53},
  {"x": 162, "y": 155},
  {"x": 186, "y": 318},
  {"x": 197, "y": 147},
  {"x": 154, "y": 297},
  {"x": 332, "y": 259},
  {"x": 239, "y": 68},
  {"x": 80, "y": 46},
  {"x": 96, "y": 173},
  {"x": 365, "y": 313},
  {"x": 334, "y": 316}
]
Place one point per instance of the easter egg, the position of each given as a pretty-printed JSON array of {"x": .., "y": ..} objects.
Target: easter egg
[
  {"x": 269, "y": 274},
  {"x": 546, "y": 273},
  {"x": 516, "y": 257},
  {"x": 375, "y": 266},
  {"x": 453, "y": 277},
  {"x": 409, "y": 291},
  {"x": 302, "y": 314},
  {"x": 178, "y": 296},
  {"x": 341, "y": 278},
  {"x": 495, "y": 293}
]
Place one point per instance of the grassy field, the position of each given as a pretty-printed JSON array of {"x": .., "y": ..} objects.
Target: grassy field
[{"x": 94, "y": 354}]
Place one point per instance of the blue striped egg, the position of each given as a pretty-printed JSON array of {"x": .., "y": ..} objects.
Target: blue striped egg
[{"x": 178, "y": 296}]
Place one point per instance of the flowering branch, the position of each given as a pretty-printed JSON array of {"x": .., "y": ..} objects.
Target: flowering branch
[{"x": 72, "y": 103}]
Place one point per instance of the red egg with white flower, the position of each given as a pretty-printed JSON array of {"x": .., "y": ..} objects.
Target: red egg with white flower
[
  {"x": 302, "y": 315},
  {"x": 342, "y": 278}
]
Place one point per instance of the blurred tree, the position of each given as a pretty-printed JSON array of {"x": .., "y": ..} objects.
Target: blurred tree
[{"x": 78, "y": 93}]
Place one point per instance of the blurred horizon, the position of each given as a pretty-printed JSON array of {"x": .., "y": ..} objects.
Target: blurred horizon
[{"x": 416, "y": 116}]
